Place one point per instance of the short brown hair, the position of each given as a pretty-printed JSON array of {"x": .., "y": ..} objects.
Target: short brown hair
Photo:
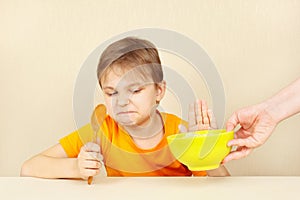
[{"x": 128, "y": 53}]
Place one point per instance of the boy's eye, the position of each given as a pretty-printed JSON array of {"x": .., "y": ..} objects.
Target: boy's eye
[
  {"x": 110, "y": 93},
  {"x": 136, "y": 91}
]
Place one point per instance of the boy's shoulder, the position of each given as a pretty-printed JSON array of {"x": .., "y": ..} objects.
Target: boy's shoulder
[{"x": 170, "y": 118}]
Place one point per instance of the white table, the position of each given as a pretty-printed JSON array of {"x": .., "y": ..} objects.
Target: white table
[{"x": 167, "y": 188}]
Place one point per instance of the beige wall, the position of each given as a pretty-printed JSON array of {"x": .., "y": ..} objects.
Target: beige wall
[{"x": 254, "y": 45}]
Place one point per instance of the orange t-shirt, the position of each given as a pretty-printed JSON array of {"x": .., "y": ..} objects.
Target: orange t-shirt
[{"x": 122, "y": 157}]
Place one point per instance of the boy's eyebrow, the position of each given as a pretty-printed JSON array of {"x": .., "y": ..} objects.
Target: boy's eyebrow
[
  {"x": 136, "y": 84},
  {"x": 128, "y": 86},
  {"x": 108, "y": 87}
]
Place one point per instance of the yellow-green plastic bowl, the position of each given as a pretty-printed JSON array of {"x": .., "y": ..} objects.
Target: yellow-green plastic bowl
[{"x": 200, "y": 150}]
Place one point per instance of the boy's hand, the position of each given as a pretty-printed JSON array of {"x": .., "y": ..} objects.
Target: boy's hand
[
  {"x": 89, "y": 160},
  {"x": 200, "y": 117}
]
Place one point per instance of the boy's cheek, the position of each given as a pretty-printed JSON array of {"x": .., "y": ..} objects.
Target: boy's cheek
[
  {"x": 108, "y": 107},
  {"x": 109, "y": 111},
  {"x": 108, "y": 103}
]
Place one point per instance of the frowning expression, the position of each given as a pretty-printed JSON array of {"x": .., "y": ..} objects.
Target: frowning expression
[{"x": 131, "y": 99}]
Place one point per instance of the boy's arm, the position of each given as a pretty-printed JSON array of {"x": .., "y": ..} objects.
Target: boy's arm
[
  {"x": 52, "y": 163},
  {"x": 221, "y": 171}
]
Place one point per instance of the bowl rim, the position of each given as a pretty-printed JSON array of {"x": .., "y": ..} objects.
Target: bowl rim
[{"x": 199, "y": 134}]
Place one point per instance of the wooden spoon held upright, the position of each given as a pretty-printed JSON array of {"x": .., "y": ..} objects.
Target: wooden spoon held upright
[{"x": 97, "y": 119}]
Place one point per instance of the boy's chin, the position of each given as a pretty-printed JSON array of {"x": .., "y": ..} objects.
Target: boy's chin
[
  {"x": 126, "y": 122},
  {"x": 130, "y": 124}
]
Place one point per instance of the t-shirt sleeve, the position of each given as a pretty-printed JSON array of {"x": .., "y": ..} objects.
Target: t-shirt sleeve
[
  {"x": 73, "y": 142},
  {"x": 199, "y": 173}
]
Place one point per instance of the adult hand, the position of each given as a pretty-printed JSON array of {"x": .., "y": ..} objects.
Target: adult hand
[{"x": 256, "y": 127}]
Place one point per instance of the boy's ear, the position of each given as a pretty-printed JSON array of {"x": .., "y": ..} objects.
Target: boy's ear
[{"x": 161, "y": 90}]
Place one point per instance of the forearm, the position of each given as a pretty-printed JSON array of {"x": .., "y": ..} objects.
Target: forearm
[
  {"x": 285, "y": 103},
  {"x": 221, "y": 171},
  {"x": 50, "y": 167}
]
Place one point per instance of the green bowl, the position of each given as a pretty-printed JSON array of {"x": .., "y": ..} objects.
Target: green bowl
[{"x": 200, "y": 150}]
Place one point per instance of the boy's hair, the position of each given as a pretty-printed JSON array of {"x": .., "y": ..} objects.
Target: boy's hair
[{"x": 129, "y": 53}]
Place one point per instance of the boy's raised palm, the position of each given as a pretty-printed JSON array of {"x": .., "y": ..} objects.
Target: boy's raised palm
[{"x": 199, "y": 118}]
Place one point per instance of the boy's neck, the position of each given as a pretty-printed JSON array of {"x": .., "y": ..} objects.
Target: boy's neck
[{"x": 152, "y": 129}]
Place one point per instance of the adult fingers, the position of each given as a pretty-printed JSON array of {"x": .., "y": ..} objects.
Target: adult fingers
[
  {"x": 242, "y": 138},
  {"x": 235, "y": 155},
  {"x": 232, "y": 122},
  {"x": 240, "y": 142}
]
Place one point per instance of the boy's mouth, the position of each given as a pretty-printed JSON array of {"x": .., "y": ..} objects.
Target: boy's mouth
[{"x": 125, "y": 112}]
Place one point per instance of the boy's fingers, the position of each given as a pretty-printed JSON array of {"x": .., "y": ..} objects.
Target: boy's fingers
[
  {"x": 205, "y": 120},
  {"x": 91, "y": 164},
  {"x": 94, "y": 156},
  {"x": 212, "y": 119},
  {"x": 92, "y": 147},
  {"x": 192, "y": 115},
  {"x": 89, "y": 156},
  {"x": 203, "y": 127},
  {"x": 90, "y": 172},
  {"x": 204, "y": 109},
  {"x": 198, "y": 111}
]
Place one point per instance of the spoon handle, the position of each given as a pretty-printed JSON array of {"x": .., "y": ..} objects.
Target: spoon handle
[
  {"x": 97, "y": 119},
  {"x": 90, "y": 180}
]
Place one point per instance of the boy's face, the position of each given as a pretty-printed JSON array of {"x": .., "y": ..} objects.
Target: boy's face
[{"x": 130, "y": 99}]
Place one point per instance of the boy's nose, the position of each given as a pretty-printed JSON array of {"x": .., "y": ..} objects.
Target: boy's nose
[{"x": 123, "y": 100}]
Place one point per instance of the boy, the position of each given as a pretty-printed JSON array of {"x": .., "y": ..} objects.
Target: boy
[{"x": 131, "y": 139}]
